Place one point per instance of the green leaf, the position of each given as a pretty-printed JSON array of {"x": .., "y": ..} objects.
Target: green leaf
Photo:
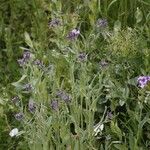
[
  {"x": 117, "y": 26},
  {"x": 28, "y": 40},
  {"x": 138, "y": 15},
  {"x": 148, "y": 17},
  {"x": 132, "y": 81},
  {"x": 18, "y": 83},
  {"x": 91, "y": 18},
  {"x": 114, "y": 1},
  {"x": 116, "y": 130},
  {"x": 120, "y": 147},
  {"x": 121, "y": 102}
]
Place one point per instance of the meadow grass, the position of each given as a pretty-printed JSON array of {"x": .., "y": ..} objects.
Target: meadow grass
[{"x": 75, "y": 75}]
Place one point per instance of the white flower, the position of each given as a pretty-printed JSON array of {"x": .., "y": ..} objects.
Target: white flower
[
  {"x": 13, "y": 132},
  {"x": 98, "y": 128},
  {"x": 76, "y": 32}
]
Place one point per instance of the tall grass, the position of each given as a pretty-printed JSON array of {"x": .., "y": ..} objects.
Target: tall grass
[{"x": 74, "y": 94}]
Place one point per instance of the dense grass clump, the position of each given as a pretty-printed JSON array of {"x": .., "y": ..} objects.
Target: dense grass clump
[{"x": 75, "y": 75}]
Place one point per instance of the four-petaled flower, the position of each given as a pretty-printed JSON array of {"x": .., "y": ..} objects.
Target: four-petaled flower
[{"x": 143, "y": 81}]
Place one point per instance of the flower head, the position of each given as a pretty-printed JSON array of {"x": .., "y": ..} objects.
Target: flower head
[
  {"x": 63, "y": 95},
  {"x": 66, "y": 97},
  {"x": 39, "y": 63},
  {"x": 26, "y": 57},
  {"x": 13, "y": 132},
  {"x": 143, "y": 81},
  {"x": 73, "y": 34}
]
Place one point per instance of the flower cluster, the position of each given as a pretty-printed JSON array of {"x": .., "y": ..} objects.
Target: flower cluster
[
  {"x": 73, "y": 34},
  {"x": 26, "y": 57},
  {"x": 143, "y": 81},
  {"x": 60, "y": 95}
]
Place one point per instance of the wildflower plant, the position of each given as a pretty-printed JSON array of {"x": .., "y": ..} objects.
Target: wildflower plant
[{"x": 81, "y": 83}]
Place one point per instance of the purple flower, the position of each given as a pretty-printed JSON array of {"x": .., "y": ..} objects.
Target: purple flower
[
  {"x": 102, "y": 23},
  {"x": 19, "y": 116},
  {"x": 54, "y": 22},
  {"x": 82, "y": 57},
  {"x": 63, "y": 95},
  {"x": 39, "y": 63},
  {"x": 26, "y": 55},
  {"x": 66, "y": 97},
  {"x": 73, "y": 34},
  {"x": 109, "y": 115},
  {"x": 32, "y": 106},
  {"x": 54, "y": 104},
  {"x": 143, "y": 81}
]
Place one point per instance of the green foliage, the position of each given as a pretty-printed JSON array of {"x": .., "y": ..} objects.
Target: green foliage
[{"x": 79, "y": 93}]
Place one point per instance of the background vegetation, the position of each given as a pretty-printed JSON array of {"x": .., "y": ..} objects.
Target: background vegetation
[{"x": 68, "y": 91}]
